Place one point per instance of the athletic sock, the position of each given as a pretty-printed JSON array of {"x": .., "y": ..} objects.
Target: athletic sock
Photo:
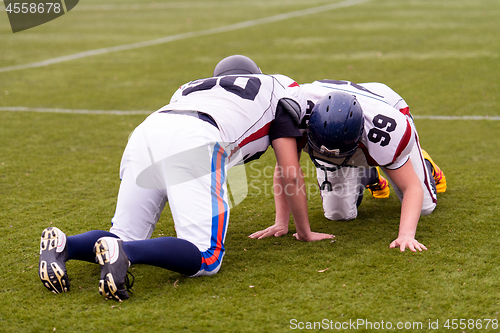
[
  {"x": 81, "y": 247},
  {"x": 171, "y": 253}
]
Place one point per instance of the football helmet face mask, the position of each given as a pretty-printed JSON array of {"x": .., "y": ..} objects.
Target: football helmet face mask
[
  {"x": 334, "y": 130},
  {"x": 236, "y": 64}
]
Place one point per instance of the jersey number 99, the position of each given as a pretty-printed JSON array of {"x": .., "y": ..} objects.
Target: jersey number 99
[{"x": 377, "y": 135}]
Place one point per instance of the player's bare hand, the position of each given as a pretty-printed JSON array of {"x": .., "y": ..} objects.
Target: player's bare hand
[
  {"x": 274, "y": 230},
  {"x": 313, "y": 236},
  {"x": 407, "y": 242}
]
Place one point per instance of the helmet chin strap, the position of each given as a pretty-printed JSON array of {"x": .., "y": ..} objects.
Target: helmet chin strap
[{"x": 326, "y": 184}]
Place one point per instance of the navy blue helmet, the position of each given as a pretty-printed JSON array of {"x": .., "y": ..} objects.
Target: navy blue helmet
[
  {"x": 335, "y": 128},
  {"x": 236, "y": 64}
]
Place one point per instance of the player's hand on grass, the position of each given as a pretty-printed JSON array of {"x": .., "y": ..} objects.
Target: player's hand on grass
[
  {"x": 407, "y": 242},
  {"x": 276, "y": 230},
  {"x": 313, "y": 236}
]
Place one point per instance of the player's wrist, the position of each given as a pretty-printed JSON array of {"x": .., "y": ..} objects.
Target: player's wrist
[
  {"x": 281, "y": 223},
  {"x": 305, "y": 234},
  {"x": 406, "y": 235}
]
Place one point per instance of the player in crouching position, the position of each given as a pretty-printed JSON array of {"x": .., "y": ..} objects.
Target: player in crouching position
[
  {"x": 181, "y": 153},
  {"x": 352, "y": 129}
]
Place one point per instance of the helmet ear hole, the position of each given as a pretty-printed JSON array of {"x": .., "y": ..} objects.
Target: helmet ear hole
[
  {"x": 327, "y": 108},
  {"x": 346, "y": 129}
]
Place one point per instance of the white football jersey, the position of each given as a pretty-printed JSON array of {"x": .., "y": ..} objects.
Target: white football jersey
[
  {"x": 388, "y": 135},
  {"x": 243, "y": 106}
]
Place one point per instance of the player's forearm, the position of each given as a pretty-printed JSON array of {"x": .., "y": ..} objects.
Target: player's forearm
[
  {"x": 292, "y": 180},
  {"x": 294, "y": 190},
  {"x": 408, "y": 182},
  {"x": 280, "y": 201},
  {"x": 411, "y": 207}
]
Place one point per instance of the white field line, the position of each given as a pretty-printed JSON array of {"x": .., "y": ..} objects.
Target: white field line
[
  {"x": 72, "y": 111},
  {"x": 121, "y": 112},
  {"x": 167, "y": 39},
  {"x": 387, "y": 56},
  {"x": 200, "y": 4},
  {"x": 457, "y": 117},
  {"x": 186, "y": 5}
]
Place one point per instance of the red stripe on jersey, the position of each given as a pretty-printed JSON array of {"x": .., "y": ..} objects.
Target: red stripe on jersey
[
  {"x": 294, "y": 84},
  {"x": 404, "y": 141},
  {"x": 263, "y": 131},
  {"x": 405, "y": 111}
]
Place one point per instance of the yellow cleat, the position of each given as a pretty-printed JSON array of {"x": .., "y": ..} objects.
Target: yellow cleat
[
  {"x": 437, "y": 173},
  {"x": 379, "y": 190}
]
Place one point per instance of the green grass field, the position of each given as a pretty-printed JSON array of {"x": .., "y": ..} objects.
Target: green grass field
[{"x": 61, "y": 169}]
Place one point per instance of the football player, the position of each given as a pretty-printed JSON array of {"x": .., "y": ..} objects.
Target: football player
[
  {"x": 353, "y": 130},
  {"x": 181, "y": 154}
]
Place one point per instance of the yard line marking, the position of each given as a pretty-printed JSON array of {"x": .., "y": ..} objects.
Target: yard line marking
[
  {"x": 184, "y": 5},
  {"x": 72, "y": 111},
  {"x": 457, "y": 117},
  {"x": 379, "y": 55},
  {"x": 122, "y": 112},
  {"x": 186, "y": 35},
  {"x": 197, "y": 5}
]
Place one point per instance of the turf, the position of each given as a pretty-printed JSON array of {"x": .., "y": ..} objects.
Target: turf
[{"x": 62, "y": 169}]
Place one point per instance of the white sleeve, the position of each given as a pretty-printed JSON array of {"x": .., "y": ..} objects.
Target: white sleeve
[
  {"x": 292, "y": 91},
  {"x": 176, "y": 95},
  {"x": 389, "y": 95}
]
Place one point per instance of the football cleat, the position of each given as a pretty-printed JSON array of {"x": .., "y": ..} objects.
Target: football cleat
[
  {"x": 52, "y": 262},
  {"x": 437, "y": 173},
  {"x": 114, "y": 268},
  {"x": 380, "y": 189}
]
